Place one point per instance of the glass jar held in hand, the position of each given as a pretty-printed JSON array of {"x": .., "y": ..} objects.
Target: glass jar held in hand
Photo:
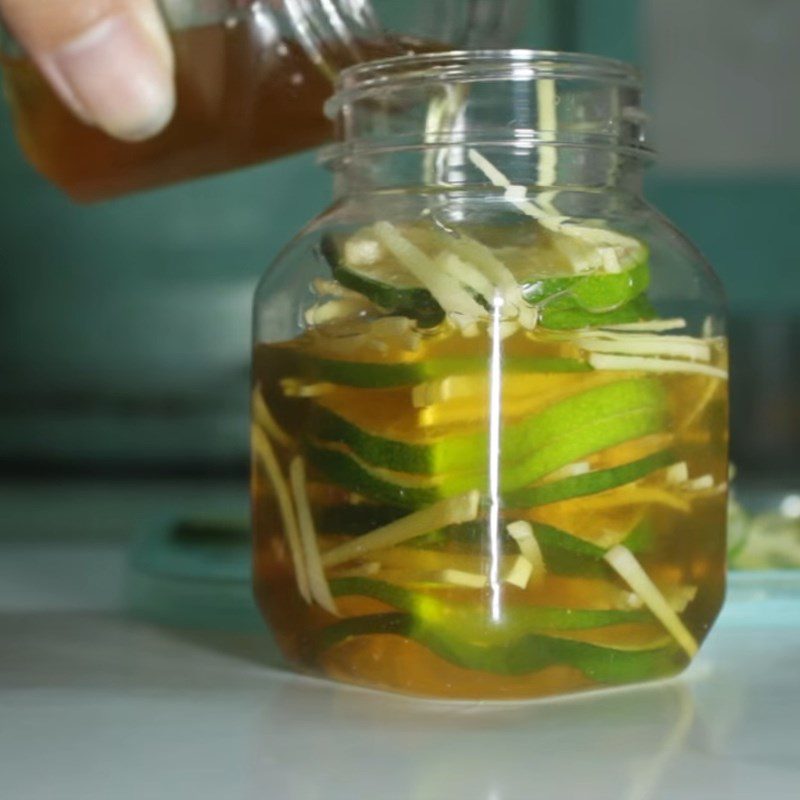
[{"x": 117, "y": 96}]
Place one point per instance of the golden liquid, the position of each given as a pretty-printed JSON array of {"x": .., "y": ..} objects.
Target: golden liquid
[
  {"x": 685, "y": 551},
  {"x": 240, "y": 101}
]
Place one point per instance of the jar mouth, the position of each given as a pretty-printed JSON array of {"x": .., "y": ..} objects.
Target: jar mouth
[
  {"x": 473, "y": 66},
  {"x": 567, "y": 108}
]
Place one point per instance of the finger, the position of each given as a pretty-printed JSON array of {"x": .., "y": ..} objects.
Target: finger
[{"x": 110, "y": 61}]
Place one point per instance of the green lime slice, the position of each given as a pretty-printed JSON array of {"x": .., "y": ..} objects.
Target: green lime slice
[
  {"x": 345, "y": 469},
  {"x": 601, "y": 293},
  {"x": 383, "y": 281},
  {"x": 527, "y": 654},
  {"x": 386, "y": 374},
  {"x": 463, "y": 452},
  {"x": 543, "y": 273},
  {"x": 601, "y": 434},
  {"x": 562, "y": 552},
  {"x": 563, "y": 313},
  {"x": 342, "y": 469},
  {"x": 595, "y": 292},
  {"x": 589, "y": 483},
  {"x": 470, "y": 620}
]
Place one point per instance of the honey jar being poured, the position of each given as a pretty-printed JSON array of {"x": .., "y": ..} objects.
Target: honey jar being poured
[{"x": 251, "y": 79}]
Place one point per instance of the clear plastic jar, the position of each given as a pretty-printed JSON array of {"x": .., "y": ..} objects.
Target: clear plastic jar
[
  {"x": 490, "y": 393},
  {"x": 252, "y": 77}
]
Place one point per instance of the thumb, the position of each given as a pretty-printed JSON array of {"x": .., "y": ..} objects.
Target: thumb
[{"x": 110, "y": 61}]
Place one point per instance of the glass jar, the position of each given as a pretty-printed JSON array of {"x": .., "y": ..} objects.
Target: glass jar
[
  {"x": 252, "y": 77},
  {"x": 490, "y": 393}
]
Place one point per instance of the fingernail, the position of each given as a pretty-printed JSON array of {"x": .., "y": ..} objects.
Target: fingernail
[{"x": 116, "y": 75}]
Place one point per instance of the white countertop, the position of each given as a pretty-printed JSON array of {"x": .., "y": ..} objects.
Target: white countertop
[{"x": 99, "y": 707}]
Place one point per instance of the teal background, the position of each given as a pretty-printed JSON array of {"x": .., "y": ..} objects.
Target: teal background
[
  {"x": 124, "y": 331},
  {"x": 124, "y": 326}
]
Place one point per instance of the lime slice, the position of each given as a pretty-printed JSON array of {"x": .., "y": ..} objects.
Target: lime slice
[
  {"x": 387, "y": 374},
  {"x": 526, "y": 654},
  {"x": 563, "y": 313},
  {"x": 521, "y": 441},
  {"x": 552, "y": 266},
  {"x": 563, "y": 553},
  {"x": 342, "y": 467},
  {"x": 466, "y": 619},
  {"x": 361, "y": 264},
  {"x": 590, "y": 482}
]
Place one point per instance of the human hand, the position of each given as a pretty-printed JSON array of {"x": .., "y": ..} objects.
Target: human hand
[{"x": 110, "y": 61}]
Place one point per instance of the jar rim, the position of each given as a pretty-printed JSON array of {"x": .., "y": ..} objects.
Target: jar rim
[{"x": 469, "y": 66}]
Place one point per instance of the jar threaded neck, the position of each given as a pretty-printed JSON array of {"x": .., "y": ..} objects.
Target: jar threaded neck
[{"x": 544, "y": 103}]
